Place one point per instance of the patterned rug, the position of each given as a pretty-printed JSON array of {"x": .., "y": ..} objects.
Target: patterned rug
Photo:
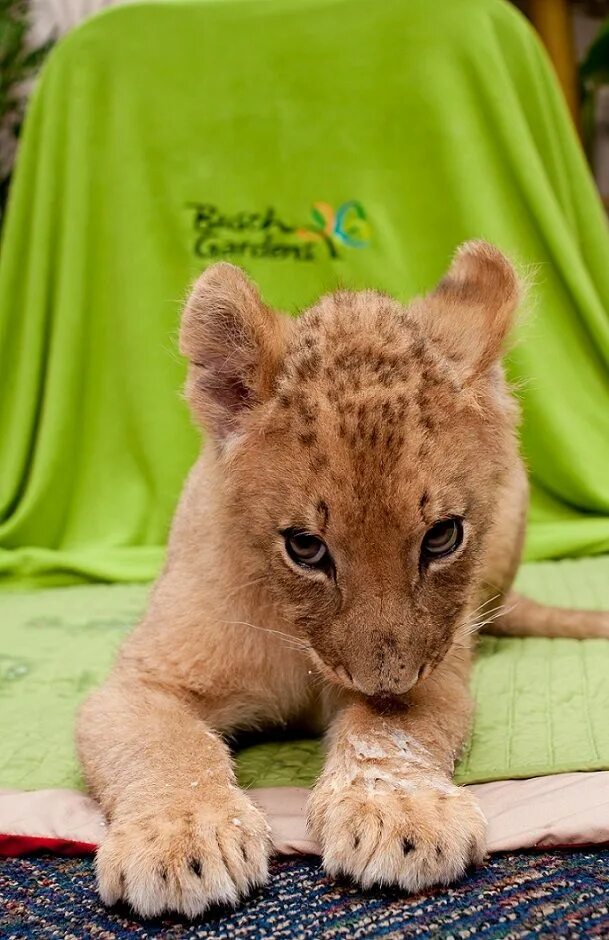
[{"x": 514, "y": 897}]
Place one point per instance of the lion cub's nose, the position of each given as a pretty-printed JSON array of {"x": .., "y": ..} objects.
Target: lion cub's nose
[{"x": 379, "y": 684}]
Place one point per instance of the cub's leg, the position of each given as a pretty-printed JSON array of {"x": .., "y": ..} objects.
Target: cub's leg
[
  {"x": 182, "y": 835},
  {"x": 385, "y": 809}
]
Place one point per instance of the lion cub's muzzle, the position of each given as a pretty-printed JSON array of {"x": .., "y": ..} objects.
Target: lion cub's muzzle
[{"x": 382, "y": 681}]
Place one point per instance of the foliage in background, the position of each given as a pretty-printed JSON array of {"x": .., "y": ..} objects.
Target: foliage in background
[
  {"x": 593, "y": 73},
  {"x": 593, "y": 7},
  {"x": 18, "y": 65}
]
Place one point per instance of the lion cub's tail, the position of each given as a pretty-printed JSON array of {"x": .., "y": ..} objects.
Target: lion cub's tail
[{"x": 524, "y": 617}]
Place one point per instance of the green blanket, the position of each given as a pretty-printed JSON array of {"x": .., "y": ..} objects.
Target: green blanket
[
  {"x": 542, "y": 705},
  {"x": 315, "y": 143}
]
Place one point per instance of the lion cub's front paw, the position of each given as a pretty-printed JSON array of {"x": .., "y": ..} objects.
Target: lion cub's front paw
[
  {"x": 413, "y": 835},
  {"x": 185, "y": 860}
]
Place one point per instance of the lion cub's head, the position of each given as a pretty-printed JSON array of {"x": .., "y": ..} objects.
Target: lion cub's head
[{"x": 361, "y": 449}]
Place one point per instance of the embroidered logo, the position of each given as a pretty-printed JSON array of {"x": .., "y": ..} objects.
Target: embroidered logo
[
  {"x": 265, "y": 234},
  {"x": 347, "y": 226}
]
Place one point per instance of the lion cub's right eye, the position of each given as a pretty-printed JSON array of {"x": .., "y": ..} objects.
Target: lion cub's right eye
[
  {"x": 306, "y": 550},
  {"x": 442, "y": 539}
]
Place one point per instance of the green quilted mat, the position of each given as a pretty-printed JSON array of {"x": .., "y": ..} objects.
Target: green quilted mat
[{"x": 542, "y": 705}]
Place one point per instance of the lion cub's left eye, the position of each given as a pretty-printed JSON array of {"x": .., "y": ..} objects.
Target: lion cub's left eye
[
  {"x": 307, "y": 550},
  {"x": 442, "y": 539}
]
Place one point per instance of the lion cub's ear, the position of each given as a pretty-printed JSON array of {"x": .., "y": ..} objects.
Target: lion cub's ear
[
  {"x": 234, "y": 344},
  {"x": 472, "y": 309}
]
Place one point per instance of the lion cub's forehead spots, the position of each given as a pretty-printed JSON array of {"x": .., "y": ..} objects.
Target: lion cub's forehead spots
[{"x": 359, "y": 371}]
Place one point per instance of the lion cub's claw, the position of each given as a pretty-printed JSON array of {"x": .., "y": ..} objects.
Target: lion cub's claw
[
  {"x": 185, "y": 861},
  {"x": 412, "y": 838}
]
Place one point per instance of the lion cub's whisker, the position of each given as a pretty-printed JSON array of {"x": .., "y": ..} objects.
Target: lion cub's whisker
[
  {"x": 486, "y": 602},
  {"x": 247, "y": 584},
  {"x": 468, "y": 629},
  {"x": 294, "y": 641}
]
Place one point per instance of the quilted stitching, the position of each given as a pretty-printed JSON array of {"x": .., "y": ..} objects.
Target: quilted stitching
[{"x": 542, "y": 705}]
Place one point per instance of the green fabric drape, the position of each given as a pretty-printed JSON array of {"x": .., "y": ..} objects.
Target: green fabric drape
[{"x": 315, "y": 142}]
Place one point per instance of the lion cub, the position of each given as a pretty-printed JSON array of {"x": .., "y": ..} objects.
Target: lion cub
[{"x": 360, "y": 502}]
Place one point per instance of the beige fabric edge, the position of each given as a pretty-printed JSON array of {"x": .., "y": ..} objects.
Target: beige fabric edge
[{"x": 558, "y": 810}]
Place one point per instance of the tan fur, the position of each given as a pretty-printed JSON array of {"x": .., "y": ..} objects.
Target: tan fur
[{"x": 363, "y": 422}]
